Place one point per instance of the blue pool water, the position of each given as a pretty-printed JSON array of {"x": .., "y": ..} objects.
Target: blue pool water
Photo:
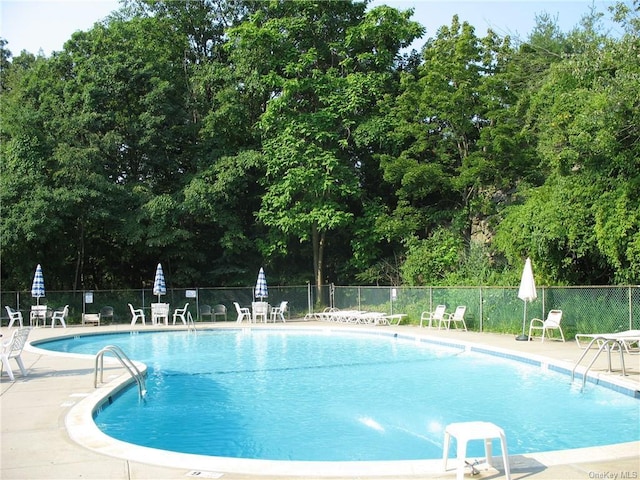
[{"x": 313, "y": 395}]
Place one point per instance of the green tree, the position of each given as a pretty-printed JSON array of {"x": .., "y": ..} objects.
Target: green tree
[
  {"x": 451, "y": 142},
  {"x": 326, "y": 64},
  {"x": 581, "y": 226}
]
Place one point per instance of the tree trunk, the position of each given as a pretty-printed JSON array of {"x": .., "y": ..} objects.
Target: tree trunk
[{"x": 318, "y": 241}]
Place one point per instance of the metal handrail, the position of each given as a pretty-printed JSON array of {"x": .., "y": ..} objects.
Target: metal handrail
[
  {"x": 607, "y": 344},
  {"x": 190, "y": 322},
  {"x": 125, "y": 362}
]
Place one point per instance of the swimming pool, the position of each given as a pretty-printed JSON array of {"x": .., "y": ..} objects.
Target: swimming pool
[{"x": 322, "y": 395}]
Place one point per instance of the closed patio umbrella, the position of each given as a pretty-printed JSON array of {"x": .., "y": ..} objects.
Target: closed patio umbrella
[
  {"x": 37, "y": 288},
  {"x": 159, "y": 287},
  {"x": 527, "y": 293},
  {"x": 261, "y": 286}
]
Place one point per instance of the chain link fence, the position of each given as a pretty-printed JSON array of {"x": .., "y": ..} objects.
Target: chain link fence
[{"x": 489, "y": 309}]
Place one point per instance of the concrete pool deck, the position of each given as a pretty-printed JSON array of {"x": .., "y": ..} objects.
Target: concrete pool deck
[{"x": 36, "y": 443}]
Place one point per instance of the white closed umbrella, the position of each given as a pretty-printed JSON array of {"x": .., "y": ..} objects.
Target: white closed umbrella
[{"x": 527, "y": 293}]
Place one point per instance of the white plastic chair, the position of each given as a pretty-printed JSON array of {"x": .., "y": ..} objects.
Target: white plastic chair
[
  {"x": 160, "y": 313},
  {"x": 91, "y": 319},
  {"x": 38, "y": 312},
  {"x": 137, "y": 314},
  {"x": 278, "y": 312},
  {"x": 60, "y": 315},
  {"x": 14, "y": 315},
  {"x": 455, "y": 317},
  {"x": 243, "y": 313},
  {"x": 12, "y": 348},
  {"x": 260, "y": 310},
  {"x": 554, "y": 317},
  {"x": 180, "y": 313},
  {"x": 433, "y": 317}
]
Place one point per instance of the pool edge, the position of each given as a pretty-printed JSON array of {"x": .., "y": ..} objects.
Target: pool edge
[{"x": 81, "y": 415}]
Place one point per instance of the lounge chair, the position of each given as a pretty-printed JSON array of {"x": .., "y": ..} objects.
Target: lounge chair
[
  {"x": 628, "y": 339},
  {"x": 91, "y": 319},
  {"x": 325, "y": 315},
  {"x": 12, "y": 348},
  {"x": 14, "y": 316},
  {"x": 346, "y": 316},
  {"x": 554, "y": 317},
  {"x": 137, "y": 314},
  {"x": 433, "y": 317},
  {"x": 456, "y": 317},
  {"x": 243, "y": 313}
]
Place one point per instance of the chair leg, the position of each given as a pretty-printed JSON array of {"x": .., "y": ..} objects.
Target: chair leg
[
  {"x": 462, "y": 453},
  {"x": 488, "y": 451},
  {"x": 505, "y": 456},
  {"x": 7, "y": 367},
  {"x": 445, "y": 451},
  {"x": 23, "y": 370}
]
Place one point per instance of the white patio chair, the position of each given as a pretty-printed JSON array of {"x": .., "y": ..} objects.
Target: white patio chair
[
  {"x": 554, "y": 317},
  {"x": 160, "y": 313},
  {"x": 455, "y": 317},
  {"x": 137, "y": 314},
  {"x": 278, "y": 312},
  {"x": 38, "y": 312},
  {"x": 433, "y": 317},
  {"x": 60, "y": 315},
  {"x": 243, "y": 313},
  {"x": 260, "y": 311},
  {"x": 91, "y": 319},
  {"x": 12, "y": 348},
  {"x": 181, "y": 313},
  {"x": 14, "y": 316}
]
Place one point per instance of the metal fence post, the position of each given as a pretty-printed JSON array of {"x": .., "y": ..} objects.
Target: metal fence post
[{"x": 481, "y": 310}]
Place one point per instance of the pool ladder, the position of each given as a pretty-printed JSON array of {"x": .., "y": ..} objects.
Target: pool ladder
[
  {"x": 190, "y": 323},
  {"x": 125, "y": 362},
  {"x": 605, "y": 344}
]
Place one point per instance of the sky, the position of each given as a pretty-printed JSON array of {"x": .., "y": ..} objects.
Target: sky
[{"x": 35, "y": 25}]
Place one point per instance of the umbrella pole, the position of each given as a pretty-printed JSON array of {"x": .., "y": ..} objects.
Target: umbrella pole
[{"x": 523, "y": 337}]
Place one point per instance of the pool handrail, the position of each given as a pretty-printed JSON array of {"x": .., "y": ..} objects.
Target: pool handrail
[{"x": 125, "y": 361}]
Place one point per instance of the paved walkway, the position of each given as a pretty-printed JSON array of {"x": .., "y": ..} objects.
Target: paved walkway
[{"x": 36, "y": 443}]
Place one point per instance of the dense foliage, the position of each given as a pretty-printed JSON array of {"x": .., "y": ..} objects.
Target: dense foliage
[{"x": 218, "y": 136}]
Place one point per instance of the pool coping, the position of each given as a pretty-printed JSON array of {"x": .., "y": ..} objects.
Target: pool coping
[{"x": 82, "y": 429}]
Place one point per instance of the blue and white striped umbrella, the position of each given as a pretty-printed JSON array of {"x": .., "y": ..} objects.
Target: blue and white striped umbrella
[
  {"x": 37, "y": 288},
  {"x": 159, "y": 287},
  {"x": 261, "y": 285}
]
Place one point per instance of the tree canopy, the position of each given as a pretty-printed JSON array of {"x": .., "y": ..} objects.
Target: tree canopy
[{"x": 219, "y": 136}]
